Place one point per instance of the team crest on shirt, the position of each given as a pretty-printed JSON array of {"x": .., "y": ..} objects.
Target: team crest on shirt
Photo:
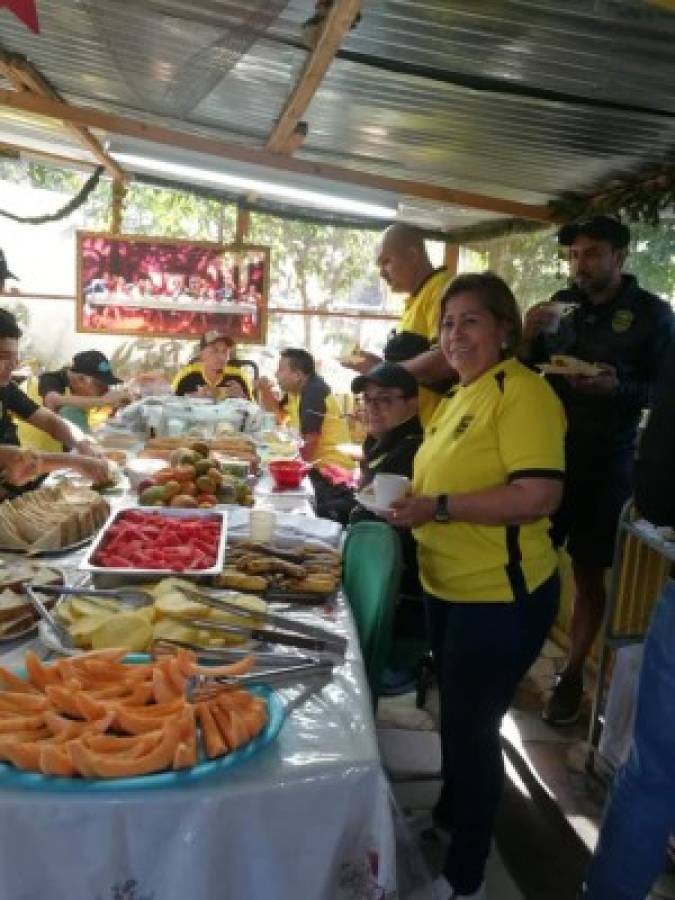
[
  {"x": 462, "y": 426},
  {"x": 622, "y": 320}
]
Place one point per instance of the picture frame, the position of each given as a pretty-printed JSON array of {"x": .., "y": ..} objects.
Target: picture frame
[{"x": 151, "y": 286}]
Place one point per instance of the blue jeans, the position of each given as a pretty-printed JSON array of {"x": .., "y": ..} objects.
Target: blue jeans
[
  {"x": 631, "y": 851},
  {"x": 482, "y": 651}
]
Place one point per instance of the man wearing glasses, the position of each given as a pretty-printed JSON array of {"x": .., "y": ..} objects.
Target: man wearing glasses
[
  {"x": 388, "y": 397},
  {"x": 389, "y": 407}
]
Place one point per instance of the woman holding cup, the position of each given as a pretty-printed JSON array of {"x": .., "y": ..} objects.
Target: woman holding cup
[{"x": 486, "y": 478}]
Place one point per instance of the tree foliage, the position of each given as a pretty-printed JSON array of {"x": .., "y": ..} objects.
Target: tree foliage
[
  {"x": 532, "y": 266},
  {"x": 317, "y": 267}
]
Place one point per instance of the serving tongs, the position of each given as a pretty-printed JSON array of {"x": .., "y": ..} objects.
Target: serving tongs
[
  {"x": 203, "y": 687},
  {"x": 62, "y": 634},
  {"x": 163, "y": 647},
  {"x": 135, "y": 597},
  {"x": 284, "y": 631},
  {"x": 222, "y": 599}
]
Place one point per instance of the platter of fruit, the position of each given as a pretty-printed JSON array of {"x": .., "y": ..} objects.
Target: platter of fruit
[
  {"x": 194, "y": 479},
  {"x": 160, "y": 541}
]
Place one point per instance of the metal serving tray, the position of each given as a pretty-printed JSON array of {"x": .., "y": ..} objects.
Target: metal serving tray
[{"x": 101, "y": 573}]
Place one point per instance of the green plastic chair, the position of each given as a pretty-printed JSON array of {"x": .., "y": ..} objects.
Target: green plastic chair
[{"x": 371, "y": 578}]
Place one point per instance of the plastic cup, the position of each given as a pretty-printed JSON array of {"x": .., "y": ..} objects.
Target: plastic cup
[
  {"x": 555, "y": 310},
  {"x": 388, "y": 487},
  {"x": 262, "y": 524}
]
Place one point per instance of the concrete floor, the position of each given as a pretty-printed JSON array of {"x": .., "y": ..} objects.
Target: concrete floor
[{"x": 556, "y": 757}]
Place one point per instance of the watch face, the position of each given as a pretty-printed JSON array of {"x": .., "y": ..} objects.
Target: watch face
[{"x": 442, "y": 513}]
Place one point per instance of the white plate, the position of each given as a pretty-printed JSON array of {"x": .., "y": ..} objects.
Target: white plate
[{"x": 367, "y": 500}]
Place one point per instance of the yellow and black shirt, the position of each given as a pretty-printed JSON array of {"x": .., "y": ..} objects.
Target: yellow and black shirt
[
  {"x": 418, "y": 330},
  {"x": 58, "y": 383},
  {"x": 192, "y": 377},
  {"x": 14, "y": 404},
  {"x": 315, "y": 411},
  {"x": 506, "y": 424}
]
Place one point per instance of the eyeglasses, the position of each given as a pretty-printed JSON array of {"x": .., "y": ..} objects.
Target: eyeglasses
[{"x": 386, "y": 401}]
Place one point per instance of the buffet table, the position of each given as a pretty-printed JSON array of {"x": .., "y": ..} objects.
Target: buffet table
[{"x": 307, "y": 817}]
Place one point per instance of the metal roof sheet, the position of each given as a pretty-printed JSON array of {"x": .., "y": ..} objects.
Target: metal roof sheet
[{"x": 518, "y": 98}]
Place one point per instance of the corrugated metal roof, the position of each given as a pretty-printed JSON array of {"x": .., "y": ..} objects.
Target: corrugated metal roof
[{"x": 517, "y": 98}]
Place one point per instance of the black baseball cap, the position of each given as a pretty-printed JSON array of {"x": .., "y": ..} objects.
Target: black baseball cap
[
  {"x": 4, "y": 271},
  {"x": 600, "y": 228},
  {"x": 388, "y": 375},
  {"x": 95, "y": 364}
]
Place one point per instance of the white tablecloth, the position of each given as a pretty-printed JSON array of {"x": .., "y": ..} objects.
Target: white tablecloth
[{"x": 308, "y": 818}]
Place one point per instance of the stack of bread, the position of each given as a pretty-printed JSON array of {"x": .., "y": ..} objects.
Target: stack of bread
[
  {"x": 16, "y": 613},
  {"x": 51, "y": 518}
]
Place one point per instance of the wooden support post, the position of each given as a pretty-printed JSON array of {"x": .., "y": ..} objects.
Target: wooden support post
[
  {"x": 243, "y": 225},
  {"x": 119, "y": 190},
  {"x": 452, "y": 258}
]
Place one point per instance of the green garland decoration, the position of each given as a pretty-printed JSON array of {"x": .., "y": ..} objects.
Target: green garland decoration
[
  {"x": 637, "y": 196},
  {"x": 490, "y": 231},
  {"x": 77, "y": 201}
]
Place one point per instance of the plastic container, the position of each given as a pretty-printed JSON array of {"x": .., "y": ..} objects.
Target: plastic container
[
  {"x": 261, "y": 524},
  {"x": 107, "y": 575},
  {"x": 288, "y": 473}
]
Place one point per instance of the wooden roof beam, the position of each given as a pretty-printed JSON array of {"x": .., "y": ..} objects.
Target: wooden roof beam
[
  {"x": 16, "y": 150},
  {"x": 337, "y": 23},
  {"x": 214, "y": 146},
  {"x": 25, "y": 77}
]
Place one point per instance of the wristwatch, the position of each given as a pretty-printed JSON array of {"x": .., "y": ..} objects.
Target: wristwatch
[{"x": 442, "y": 513}]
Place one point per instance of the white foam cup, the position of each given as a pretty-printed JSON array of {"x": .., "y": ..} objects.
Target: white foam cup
[
  {"x": 262, "y": 524},
  {"x": 388, "y": 487}
]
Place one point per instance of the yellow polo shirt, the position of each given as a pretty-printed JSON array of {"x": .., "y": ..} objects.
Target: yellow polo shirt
[
  {"x": 421, "y": 314},
  {"x": 421, "y": 310},
  {"x": 191, "y": 377},
  {"x": 334, "y": 431},
  {"x": 507, "y": 424}
]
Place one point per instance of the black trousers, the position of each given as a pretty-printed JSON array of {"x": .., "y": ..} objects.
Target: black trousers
[{"x": 482, "y": 651}]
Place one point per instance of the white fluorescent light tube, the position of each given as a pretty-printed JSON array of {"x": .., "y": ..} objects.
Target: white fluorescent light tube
[{"x": 298, "y": 196}]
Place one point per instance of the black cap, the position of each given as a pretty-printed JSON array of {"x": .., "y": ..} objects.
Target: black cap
[
  {"x": 4, "y": 271},
  {"x": 600, "y": 228},
  {"x": 387, "y": 374},
  {"x": 95, "y": 364}
]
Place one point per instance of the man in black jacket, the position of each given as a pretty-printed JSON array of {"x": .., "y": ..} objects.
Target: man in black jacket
[
  {"x": 389, "y": 397},
  {"x": 631, "y": 851},
  {"x": 625, "y": 330}
]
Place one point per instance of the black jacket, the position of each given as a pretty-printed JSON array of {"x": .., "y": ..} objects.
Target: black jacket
[
  {"x": 655, "y": 472},
  {"x": 632, "y": 333},
  {"x": 394, "y": 452}
]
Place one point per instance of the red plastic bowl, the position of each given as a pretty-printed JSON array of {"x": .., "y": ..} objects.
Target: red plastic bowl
[{"x": 288, "y": 473}]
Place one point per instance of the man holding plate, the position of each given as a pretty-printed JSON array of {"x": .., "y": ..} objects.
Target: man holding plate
[{"x": 607, "y": 320}]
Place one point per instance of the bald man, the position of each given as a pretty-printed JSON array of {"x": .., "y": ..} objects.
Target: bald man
[{"x": 405, "y": 265}]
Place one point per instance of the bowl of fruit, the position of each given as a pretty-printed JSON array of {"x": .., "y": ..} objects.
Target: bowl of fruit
[{"x": 193, "y": 479}]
